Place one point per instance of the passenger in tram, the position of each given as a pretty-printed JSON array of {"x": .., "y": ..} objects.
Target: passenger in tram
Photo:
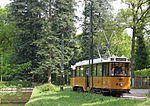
[{"x": 118, "y": 70}]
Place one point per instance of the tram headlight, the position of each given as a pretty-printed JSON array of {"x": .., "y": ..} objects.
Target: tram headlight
[{"x": 121, "y": 84}]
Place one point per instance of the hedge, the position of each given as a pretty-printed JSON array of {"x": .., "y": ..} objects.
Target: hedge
[
  {"x": 143, "y": 72},
  {"x": 15, "y": 83}
]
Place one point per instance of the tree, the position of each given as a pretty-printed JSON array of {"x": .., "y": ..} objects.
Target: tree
[
  {"x": 140, "y": 54},
  {"x": 136, "y": 18},
  {"x": 27, "y": 14},
  {"x": 59, "y": 20},
  {"x": 8, "y": 37},
  {"x": 147, "y": 42},
  {"x": 101, "y": 14}
]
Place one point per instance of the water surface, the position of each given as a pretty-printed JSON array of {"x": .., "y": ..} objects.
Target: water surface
[{"x": 14, "y": 98}]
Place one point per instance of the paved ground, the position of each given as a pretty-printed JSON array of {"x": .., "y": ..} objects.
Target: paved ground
[{"x": 137, "y": 94}]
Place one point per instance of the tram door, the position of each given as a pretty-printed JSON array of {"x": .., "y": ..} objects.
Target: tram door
[{"x": 87, "y": 79}]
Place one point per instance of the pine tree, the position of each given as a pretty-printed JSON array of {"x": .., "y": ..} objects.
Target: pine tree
[
  {"x": 27, "y": 15},
  {"x": 59, "y": 21},
  {"x": 100, "y": 16},
  {"x": 140, "y": 54}
]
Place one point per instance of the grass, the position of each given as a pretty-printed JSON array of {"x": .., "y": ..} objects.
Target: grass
[
  {"x": 71, "y": 98},
  {"x": 147, "y": 102}
]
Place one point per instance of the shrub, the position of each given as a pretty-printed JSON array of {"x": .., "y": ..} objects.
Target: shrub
[
  {"x": 19, "y": 86},
  {"x": 3, "y": 86},
  {"x": 12, "y": 84},
  {"x": 47, "y": 87},
  {"x": 148, "y": 94},
  {"x": 143, "y": 72}
]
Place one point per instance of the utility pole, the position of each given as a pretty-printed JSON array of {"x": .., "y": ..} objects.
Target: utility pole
[
  {"x": 91, "y": 33},
  {"x": 62, "y": 64},
  {"x": 1, "y": 67}
]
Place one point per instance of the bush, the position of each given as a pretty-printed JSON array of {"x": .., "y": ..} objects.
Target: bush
[
  {"x": 47, "y": 87},
  {"x": 148, "y": 94},
  {"x": 143, "y": 72},
  {"x": 3, "y": 86},
  {"x": 19, "y": 86},
  {"x": 12, "y": 84}
]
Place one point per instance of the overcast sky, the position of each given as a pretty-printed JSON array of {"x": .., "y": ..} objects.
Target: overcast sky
[{"x": 3, "y": 3}]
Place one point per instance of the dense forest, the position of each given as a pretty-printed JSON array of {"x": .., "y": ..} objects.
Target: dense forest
[{"x": 38, "y": 40}]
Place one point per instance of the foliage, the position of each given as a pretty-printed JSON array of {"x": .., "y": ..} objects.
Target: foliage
[
  {"x": 47, "y": 87},
  {"x": 8, "y": 41},
  {"x": 100, "y": 16},
  {"x": 125, "y": 45},
  {"x": 19, "y": 86},
  {"x": 59, "y": 20},
  {"x": 14, "y": 84},
  {"x": 148, "y": 94},
  {"x": 147, "y": 43},
  {"x": 69, "y": 97},
  {"x": 14, "y": 72},
  {"x": 27, "y": 15},
  {"x": 143, "y": 72},
  {"x": 141, "y": 54},
  {"x": 8, "y": 35},
  {"x": 136, "y": 18},
  {"x": 3, "y": 86}
]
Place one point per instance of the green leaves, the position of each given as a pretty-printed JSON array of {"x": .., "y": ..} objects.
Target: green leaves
[{"x": 143, "y": 72}]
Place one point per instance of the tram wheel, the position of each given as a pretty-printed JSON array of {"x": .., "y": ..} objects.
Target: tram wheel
[
  {"x": 106, "y": 93},
  {"x": 79, "y": 89}
]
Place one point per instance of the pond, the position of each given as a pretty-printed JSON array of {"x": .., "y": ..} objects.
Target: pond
[{"x": 14, "y": 98}]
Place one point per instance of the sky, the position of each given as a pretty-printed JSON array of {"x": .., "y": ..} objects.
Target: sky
[
  {"x": 116, "y": 4},
  {"x": 3, "y": 3}
]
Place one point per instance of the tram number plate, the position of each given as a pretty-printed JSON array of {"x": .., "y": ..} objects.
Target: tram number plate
[{"x": 120, "y": 59}]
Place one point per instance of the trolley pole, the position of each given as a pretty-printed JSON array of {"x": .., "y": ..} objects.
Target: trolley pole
[{"x": 91, "y": 33}]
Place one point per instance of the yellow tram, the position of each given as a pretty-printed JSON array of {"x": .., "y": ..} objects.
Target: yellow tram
[{"x": 110, "y": 76}]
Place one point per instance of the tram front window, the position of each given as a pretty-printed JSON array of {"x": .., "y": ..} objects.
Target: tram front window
[{"x": 120, "y": 69}]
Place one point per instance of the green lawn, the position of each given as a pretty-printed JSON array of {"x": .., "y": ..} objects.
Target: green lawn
[{"x": 71, "y": 98}]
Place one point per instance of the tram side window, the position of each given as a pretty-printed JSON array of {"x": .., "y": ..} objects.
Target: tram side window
[
  {"x": 99, "y": 70},
  {"x": 81, "y": 71},
  {"x": 94, "y": 70},
  {"x": 85, "y": 70},
  {"x": 105, "y": 69},
  {"x": 73, "y": 74},
  {"x": 78, "y": 71},
  {"x": 120, "y": 69}
]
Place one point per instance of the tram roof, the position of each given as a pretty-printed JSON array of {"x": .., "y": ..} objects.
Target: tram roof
[{"x": 121, "y": 59}]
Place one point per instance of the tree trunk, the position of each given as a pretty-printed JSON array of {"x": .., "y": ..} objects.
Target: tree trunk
[
  {"x": 132, "y": 56},
  {"x": 49, "y": 76}
]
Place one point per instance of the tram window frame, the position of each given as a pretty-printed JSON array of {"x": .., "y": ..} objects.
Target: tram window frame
[
  {"x": 96, "y": 69},
  {"x": 75, "y": 72},
  {"x": 108, "y": 70},
  {"x": 72, "y": 73},
  {"x": 79, "y": 71}
]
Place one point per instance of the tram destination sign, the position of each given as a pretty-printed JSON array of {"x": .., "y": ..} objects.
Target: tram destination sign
[{"x": 120, "y": 59}]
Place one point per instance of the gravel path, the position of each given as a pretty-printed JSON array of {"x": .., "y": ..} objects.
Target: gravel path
[{"x": 139, "y": 94}]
